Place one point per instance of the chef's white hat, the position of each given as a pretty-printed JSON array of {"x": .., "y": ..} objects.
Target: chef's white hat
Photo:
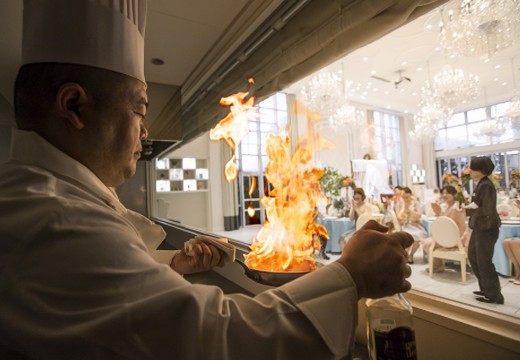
[{"x": 107, "y": 34}]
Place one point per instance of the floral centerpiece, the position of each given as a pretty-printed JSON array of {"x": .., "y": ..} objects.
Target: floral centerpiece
[
  {"x": 459, "y": 183},
  {"x": 495, "y": 179},
  {"x": 331, "y": 183},
  {"x": 347, "y": 181},
  {"x": 514, "y": 179}
]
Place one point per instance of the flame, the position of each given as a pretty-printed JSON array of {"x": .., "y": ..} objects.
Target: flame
[
  {"x": 250, "y": 210},
  {"x": 285, "y": 243},
  {"x": 234, "y": 126},
  {"x": 252, "y": 187}
]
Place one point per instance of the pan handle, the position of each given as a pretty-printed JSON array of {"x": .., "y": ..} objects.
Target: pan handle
[{"x": 253, "y": 275}]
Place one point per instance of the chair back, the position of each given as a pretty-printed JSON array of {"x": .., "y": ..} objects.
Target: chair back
[
  {"x": 395, "y": 222},
  {"x": 445, "y": 232},
  {"x": 363, "y": 219},
  {"x": 375, "y": 209}
]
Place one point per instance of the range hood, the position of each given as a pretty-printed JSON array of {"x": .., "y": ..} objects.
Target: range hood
[{"x": 155, "y": 148}]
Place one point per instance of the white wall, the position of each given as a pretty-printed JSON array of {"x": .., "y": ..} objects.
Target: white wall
[{"x": 201, "y": 209}]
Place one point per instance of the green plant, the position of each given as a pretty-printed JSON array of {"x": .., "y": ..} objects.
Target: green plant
[{"x": 330, "y": 182}]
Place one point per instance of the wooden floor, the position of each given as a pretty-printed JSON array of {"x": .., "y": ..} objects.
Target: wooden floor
[{"x": 446, "y": 284}]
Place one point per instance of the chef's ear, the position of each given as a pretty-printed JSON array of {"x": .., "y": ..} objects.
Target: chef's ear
[{"x": 70, "y": 99}]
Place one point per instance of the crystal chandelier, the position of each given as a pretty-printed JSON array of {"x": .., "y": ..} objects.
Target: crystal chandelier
[
  {"x": 513, "y": 111},
  {"x": 323, "y": 93},
  {"x": 425, "y": 128},
  {"x": 452, "y": 87},
  {"x": 349, "y": 117},
  {"x": 432, "y": 108},
  {"x": 495, "y": 127},
  {"x": 480, "y": 28}
]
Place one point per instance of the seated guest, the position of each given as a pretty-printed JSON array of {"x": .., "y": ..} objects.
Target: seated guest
[
  {"x": 457, "y": 214},
  {"x": 409, "y": 217},
  {"x": 358, "y": 207},
  {"x": 512, "y": 248}
]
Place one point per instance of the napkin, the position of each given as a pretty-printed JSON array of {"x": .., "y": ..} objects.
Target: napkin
[
  {"x": 470, "y": 206},
  {"x": 221, "y": 243}
]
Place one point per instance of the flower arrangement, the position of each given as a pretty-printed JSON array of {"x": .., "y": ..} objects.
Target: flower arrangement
[
  {"x": 514, "y": 179},
  {"x": 450, "y": 179},
  {"x": 330, "y": 182},
  {"x": 347, "y": 181},
  {"x": 459, "y": 183},
  {"x": 465, "y": 177},
  {"x": 495, "y": 179}
]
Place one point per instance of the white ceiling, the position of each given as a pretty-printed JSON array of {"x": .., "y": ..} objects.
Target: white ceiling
[
  {"x": 193, "y": 38},
  {"x": 184, "y": 34},
  {"x": 413, "y": 49}
]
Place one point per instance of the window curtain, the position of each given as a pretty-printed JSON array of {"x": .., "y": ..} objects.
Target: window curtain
[
  {"x": 321, "y": 33},
  {"x": 229, "y": 194}
]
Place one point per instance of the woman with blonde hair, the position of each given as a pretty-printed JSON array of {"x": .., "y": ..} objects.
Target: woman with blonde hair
[{"x": 409, "y": 217}]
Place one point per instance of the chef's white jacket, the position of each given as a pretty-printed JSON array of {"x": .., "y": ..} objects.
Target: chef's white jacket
[{"x": 78, "y": 282}]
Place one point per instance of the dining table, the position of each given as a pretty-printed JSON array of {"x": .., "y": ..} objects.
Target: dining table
[
  {"x": 510, "y": 228},
  {"x": 335, "y": 228}
]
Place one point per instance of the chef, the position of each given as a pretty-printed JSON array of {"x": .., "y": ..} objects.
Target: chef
[{"x": 79, "y": 274}]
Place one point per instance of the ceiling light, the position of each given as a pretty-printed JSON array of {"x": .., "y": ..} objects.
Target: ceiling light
[
  {"x": 452, "y": 87},
  {"x": 323, "y": 92},
  {"x": 479, "y": 28}
]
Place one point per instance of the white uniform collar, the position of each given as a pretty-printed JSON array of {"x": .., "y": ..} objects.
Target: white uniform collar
[{"x": 32, "y": 149}]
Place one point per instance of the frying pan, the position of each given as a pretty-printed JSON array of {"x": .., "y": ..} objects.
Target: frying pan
[{"x": 270, "y": 278}]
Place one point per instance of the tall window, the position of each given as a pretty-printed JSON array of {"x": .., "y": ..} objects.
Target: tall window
[
  {"x": 252, "y": 157},
  {"x": 464, "y": 131},
  {"x": 467, "y": 129},
  {"x": 388, "y": 143}
]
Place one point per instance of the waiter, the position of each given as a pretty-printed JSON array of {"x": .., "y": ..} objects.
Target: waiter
[{"x": 79, "y": 276}]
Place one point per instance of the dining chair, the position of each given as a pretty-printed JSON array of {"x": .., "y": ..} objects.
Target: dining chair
[
  {"x": 363, "y": 219},
  {"x": 446, "y": 234},
  {"x": 395, "y": 222}
]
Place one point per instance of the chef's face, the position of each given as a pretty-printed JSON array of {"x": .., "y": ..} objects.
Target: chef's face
[{"x": 121, "y": 130}]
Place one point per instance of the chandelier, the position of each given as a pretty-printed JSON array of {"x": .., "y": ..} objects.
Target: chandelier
[
  {"x": 323, "y": 93},
  {"x": 480, "y": 28},
  {"x": 494, "y": 127},
  {"x": 348, "y": 116},
  {"x": 452, "y": 87},
  {"x": 425, "y": 128},
  {"x": 513, "y": 111},
  {"x": 432, "y": 108}
]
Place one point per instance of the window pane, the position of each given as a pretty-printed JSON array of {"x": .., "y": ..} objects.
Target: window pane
[
  {"x": 456, "y": 119},
  {"x": 249, "y": 163},
  {"x": 477, "y": 115}
]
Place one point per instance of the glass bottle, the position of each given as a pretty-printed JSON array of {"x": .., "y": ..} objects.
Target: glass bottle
[{"x": 390, "y": 331}]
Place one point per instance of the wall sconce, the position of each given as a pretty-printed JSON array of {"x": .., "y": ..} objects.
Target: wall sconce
[{"x": 418, "y": 175}]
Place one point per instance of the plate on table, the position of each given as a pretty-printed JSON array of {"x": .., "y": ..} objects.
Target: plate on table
[{"x": 330, "y": 218}]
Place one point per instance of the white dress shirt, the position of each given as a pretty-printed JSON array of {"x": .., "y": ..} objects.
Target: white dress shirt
[{"x": 78, "y": 282}]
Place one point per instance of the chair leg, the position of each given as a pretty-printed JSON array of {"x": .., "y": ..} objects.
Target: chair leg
[
  {"x": 463, "y": 269},
  {"x": 430, "y": 262}
]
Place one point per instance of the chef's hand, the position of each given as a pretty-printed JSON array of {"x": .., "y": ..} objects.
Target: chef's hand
[
  {"x": 377, "y": 261},
  {"x": 204, "y": 257}
]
